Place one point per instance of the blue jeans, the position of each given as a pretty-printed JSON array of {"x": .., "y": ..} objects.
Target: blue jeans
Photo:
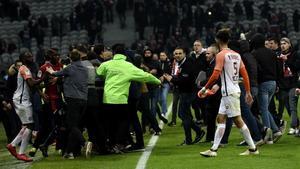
[
  {"x": 293, "y": 103},
  {"x": 265, "y": 92},
  {"x": 247, "y": 114},
  {"x": 164, "y": 90},
  {"x": 153, "y": 96}
]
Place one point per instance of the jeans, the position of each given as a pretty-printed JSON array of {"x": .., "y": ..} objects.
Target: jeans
[
  {"x": 163, "y": 97},
  {"x": 247, "y": 114},
  {"x": 293, "y": 102},
  {"x": 186, "y": 116},
  {"x": 153, "y": 97},
  {"x": 265, "y": 92}
]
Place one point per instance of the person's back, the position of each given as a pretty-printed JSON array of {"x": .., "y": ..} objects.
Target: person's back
[
  {"x": 230, "y": 72},
  {"x": 266, "y": 63}
]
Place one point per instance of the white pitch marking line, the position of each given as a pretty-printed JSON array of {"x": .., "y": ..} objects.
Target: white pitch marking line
[{"x": 152, "y": 142}]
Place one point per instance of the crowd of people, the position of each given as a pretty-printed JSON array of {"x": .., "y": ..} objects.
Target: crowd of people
[{"x": 101, "y": 89}]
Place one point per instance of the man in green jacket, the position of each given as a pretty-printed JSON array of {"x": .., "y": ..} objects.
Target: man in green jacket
[{"x": 118, "y": 74}]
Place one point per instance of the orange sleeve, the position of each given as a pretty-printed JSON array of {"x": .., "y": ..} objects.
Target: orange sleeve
[
  {"x": 245, "y": 76},
  {"x": 25, "y": 72},
  {"x": 213, "y": 78},
  {"x": 220, "y": 61}
]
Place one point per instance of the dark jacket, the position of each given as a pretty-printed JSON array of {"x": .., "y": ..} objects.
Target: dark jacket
[
  {"x": 289, "y": 70},
  {"x": 153, "y": 64},
  {"x": 266, "y": 60},
  {"x": 217, "y": 96},
  {"x": 166, "y": 67},
  {"x": 249, "y": 61},
  {"x": 200, "y": 61},
  {"x": 185, "y": 80}
]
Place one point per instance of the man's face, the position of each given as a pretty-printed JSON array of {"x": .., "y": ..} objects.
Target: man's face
[
  {"x": 29, "y": 58},
  {"x": 179, "y": 54},
  {"x": 209, "y": 54},
  {"x": 284, "y": 46},
  {"x": 148, "y": 53},
  {"x": 162, "y": 56},
  {"x": 273, "y": 45},
  {"x": 197, "y": 47},
  {"x": 18, "y": 65},
  {"x": 267, "y": 44}
]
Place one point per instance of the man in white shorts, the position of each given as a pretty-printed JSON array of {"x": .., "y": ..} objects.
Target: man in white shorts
[
  {"x": 23, "y": 107},
  {"x": 229, "y": 65}
]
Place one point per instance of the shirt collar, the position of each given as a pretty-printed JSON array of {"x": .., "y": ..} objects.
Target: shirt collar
[{"x": 119, "y": 57}]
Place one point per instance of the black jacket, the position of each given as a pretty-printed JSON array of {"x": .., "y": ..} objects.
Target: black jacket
[
  {"x": 289, "y": 70},
  {"x": 266, "y": 60},
  {"x": 185, "y": 80},
  {"x": 250, "y": 62},
  {"x": 200, "y": 61},
  {"x": 266, "y": 65}
]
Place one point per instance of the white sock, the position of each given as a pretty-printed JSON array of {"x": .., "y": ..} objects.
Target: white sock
[
  {"x": 25, "y": 139},
  {"x": 247, "y": 136},
  {"x": 18, "y": 138},
  {"x": 218, "y": 136}
]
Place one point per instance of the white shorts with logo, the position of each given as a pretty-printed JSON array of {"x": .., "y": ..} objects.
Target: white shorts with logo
[
  {"x": 24, "y": 111},
  {"x": 230, "y": 105}
]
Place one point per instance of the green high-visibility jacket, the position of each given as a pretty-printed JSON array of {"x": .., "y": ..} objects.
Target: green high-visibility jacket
[{"x": 118, "y": 74}]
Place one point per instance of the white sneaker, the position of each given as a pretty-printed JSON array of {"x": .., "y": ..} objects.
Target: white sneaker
[
  {"x": 209, "y": 153},
  {"x": 259, "y": 143},
  {"x": 277, "y": 136},
  {"x": 283, "y": 126},
  {"x": 269, "y": 136},
  {"x": 88, "y": 151},
  {"x": 291, "y": 131},
  {"x": 250, "y": 152}
]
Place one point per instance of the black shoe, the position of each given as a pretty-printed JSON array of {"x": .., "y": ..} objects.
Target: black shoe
[
  {"x": 243, "y": 143},
  {"x": 199, "y": 137},
  {"x": 44, "y": 150},
  {"x": 172, "y": 124},
  {"x": 162, "y": 118},
  {"x": 134, "y": 148},
  {"x": 184, "y": 143}
]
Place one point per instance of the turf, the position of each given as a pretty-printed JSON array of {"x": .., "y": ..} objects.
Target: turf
[{"x": 167, "y": 155}]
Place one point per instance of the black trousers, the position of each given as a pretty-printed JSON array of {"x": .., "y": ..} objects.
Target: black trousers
[
  {"x": 118, "y": 125},
  {"x": 147, "y": 116},
  {"x": 74, "y": 115},
  {"x": 135, "y": 122}
]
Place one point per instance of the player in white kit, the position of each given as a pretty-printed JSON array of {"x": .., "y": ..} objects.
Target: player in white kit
[{"x": 229, "y": 65}]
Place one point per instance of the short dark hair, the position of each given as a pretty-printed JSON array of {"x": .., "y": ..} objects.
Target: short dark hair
[
  {"x": 50, "y": 52},
  {"x": 275, "y": 39},
  {"x": 98, "y": 49},
  {"x": 24, "y": 55},
  {"x": 181, "y": 48},
  {"x": 75, "y": 55},
  {"x": 118, "y": 48},
  {"x": 223, "y": 35}
]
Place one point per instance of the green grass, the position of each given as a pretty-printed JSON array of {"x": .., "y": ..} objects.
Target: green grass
[{"x": 166, "y": 155}]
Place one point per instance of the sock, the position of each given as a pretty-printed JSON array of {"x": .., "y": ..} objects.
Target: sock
[
  {"x": 218, "y": 136},
  {"x": 246, "y": 133},
  {"x": 18, "y": 138},
  {"x": 25, "y": 140}
]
